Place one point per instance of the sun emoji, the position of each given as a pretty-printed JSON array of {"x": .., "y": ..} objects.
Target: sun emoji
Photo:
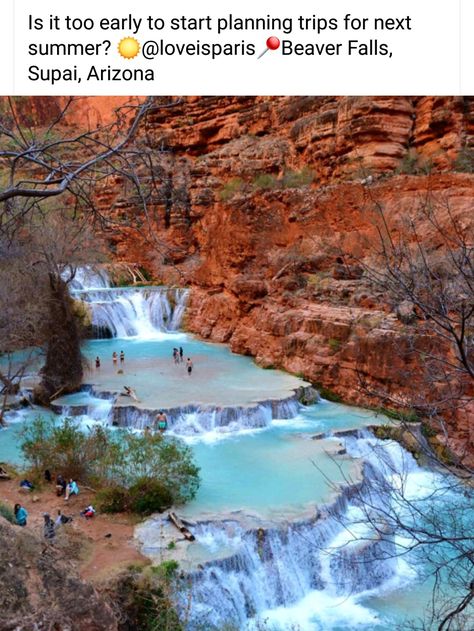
[{"x": 129, "y": 47}]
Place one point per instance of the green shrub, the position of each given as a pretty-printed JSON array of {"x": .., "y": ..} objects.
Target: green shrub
[
  {"x": 62, "y": 448},
  {"x": 145, "y": 602},
  {"x": 464, "y": 162},
  {"x": 113, "y": 499},
  {"x": 166, "y": 569},
  {"x": 118, "y": 460},
  {"x": 328, "y": 394},
  {"x": 428, "y": 431},
  {"x": 408, "y": 416},
  {"x": 265, "y": 181},
  {"x": 297, "y": 179},
  {"x": 231, "y": 188},
  {"x": 334, "y": 344},
  {"x": 7, "y": 513},
  {"x": 145, "y": 273},
  {"x": 149, "y": 496},
  {"x": 414, "y": 164}
]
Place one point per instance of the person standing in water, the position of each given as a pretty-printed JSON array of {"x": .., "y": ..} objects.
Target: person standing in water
[
  {"x": 114, "y": 357},
  {"x": 181, "y": 352},
  {"x": 162, "y": 421},
  {"x": 122, "y": 357},
  {"x": 189, "y": 366},
  {"x": 97, "y": 362}
]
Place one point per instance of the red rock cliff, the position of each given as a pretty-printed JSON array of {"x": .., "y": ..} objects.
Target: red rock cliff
[{"x": 267, "y": 207}]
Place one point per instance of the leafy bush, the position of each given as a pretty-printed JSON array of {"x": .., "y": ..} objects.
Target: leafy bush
[
  {"x": 297, "y": 179},
  {"x": 328, "y": 394},
  {"x": 334, "y": 344},
  {"x": 407, "y": 416},
  {"x": 265, "y": 181},
  {"x": 464, "y": 162},
  {"x": 118, "y": 460},
  {"x": 145, "y": 601},
  {"x": 144, "y": 497},
  {"x": 166, "y": 569},
  {"x": 7, "y": 513},
  {"x": 149, "y": 496},
  {"x": 414, "y": 164},
  {"x": 63, "y": 448},
  {"x": 231, "y": 188},
  {"x": 113, "y": 499}
]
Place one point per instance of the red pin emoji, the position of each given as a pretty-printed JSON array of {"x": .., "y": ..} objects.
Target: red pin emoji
[{"x": 273, "y": 43}]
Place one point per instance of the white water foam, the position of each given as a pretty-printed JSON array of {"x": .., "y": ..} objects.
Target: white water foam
[
  {"x": 315, "y": 574},
  {"x": 146, "y": 313}
]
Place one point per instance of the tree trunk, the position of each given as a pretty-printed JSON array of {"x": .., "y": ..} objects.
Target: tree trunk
[{"x": 63, "y": 368}]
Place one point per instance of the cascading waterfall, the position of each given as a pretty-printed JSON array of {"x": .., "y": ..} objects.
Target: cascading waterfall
[
  {"x": 335, "y": 554},
  {"x": 191, "y": 420},
  {"x": 128, "y": 312}
]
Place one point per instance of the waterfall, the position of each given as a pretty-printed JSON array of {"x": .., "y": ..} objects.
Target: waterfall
[
  {"x": 128, "y": 311},
  {"x": 193, "y": 420},
  {"x": 332, "y": 557},
  {"x": 88, "y": 277}
]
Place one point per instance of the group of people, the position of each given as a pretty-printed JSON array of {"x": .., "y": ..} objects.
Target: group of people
[
  {"x": 115, "y": 358},
  {"x": 62, "y": 488},
  {"x": 21, "y": 518},
  {"x": 50, "y": 525},
  {"x": 178, "y": 358}
]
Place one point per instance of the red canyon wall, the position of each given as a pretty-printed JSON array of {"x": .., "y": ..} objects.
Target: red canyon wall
[{"x": 272, "y": 202}]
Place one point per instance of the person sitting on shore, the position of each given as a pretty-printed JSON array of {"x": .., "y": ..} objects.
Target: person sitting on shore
[
  {"x": 60, "y": 485},
  {"x": 21, "y": 515},
  {"x": 88, "y": 512},
  {"x": 26, "y": 485},
  {"x": 62, "y": 519},
  {"x": 49, "y": 531},
  {"x": 71, "y": 489}
]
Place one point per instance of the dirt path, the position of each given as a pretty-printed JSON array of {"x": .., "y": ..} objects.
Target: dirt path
[{"x": 101, "y": 555}]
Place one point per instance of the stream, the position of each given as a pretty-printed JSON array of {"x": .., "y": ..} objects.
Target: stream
[{"x": 277, "y": 519}]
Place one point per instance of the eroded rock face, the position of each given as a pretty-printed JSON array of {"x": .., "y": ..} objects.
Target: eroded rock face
[
  {"x": 39, "y": 590},
  {"x": 282, "y": 197}
]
